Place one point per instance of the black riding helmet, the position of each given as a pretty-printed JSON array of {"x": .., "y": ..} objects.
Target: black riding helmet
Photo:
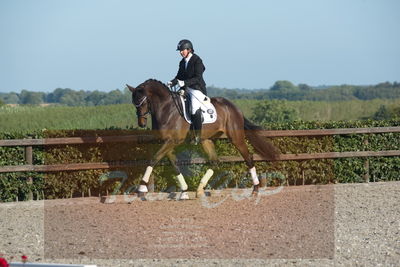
[{"x": 184, "y": 44}]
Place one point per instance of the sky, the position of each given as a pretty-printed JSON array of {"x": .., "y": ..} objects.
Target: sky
[{"x": 104, "y": 44}]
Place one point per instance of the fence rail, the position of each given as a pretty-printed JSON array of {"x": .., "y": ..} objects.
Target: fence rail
[
  {"x": 29, "y": 143},
  {"x": 145, "y": 138}
]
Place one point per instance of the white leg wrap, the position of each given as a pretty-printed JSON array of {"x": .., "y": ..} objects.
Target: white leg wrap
[
  {"x": 206, "y": 177},
  {"x": 182, "y": 182},
  {"x": 147, "y": 174},
  {"x": 254, "y": 176}
]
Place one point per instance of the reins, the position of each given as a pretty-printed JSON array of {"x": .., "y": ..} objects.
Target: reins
[{"x": 175, "y": 99}]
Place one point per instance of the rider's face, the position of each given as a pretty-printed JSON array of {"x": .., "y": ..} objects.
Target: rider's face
[{"x": 185, "y": 53}]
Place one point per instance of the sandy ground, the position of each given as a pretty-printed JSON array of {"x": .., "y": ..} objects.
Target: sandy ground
[{"x": 330, "y": 225}]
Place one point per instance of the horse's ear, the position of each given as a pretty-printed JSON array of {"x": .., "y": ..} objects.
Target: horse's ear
[{"x": 132, "y": 89}]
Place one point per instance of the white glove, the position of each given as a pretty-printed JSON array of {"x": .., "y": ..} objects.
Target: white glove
[
  {"x": 169, "y": 83},
  {"x": 181, "y": 83},
  {"x": 181, "y": 92}
]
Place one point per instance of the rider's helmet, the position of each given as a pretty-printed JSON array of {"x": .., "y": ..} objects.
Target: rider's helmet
[{"x": 184, "y": 44}]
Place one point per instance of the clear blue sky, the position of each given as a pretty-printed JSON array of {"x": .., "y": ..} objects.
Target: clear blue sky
[{"x": 101, "y": 45}]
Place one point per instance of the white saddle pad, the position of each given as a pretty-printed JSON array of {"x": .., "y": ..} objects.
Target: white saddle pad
[{"x": 207, "y": 108}]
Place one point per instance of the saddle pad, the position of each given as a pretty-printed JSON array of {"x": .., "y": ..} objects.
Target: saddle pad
[{"x": 207, "y": 108}]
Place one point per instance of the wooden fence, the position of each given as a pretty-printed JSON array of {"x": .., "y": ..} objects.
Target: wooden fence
[{"x": 29, "y": 143}]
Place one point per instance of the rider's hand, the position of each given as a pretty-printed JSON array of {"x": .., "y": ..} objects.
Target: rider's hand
[
  {"x": 181, "y": 83},
  {"x": 169, "y": 83},
  {"x": 181, "y": 92}
]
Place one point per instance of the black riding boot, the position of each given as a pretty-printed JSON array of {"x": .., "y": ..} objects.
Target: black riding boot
[{"x": 197, "y": 121}]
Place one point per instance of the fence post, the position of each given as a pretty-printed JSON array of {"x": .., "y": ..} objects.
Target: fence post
[
  {"x": 366, "y": 162},
  {"x": 151, "y": 183},
  {"x": 29, "y": 161},
  {"x": 263, "y": 180}
]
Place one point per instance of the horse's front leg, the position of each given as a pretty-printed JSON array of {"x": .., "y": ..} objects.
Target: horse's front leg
[
  {"x": 182, "y": 183},
  {"x": 209, "y": 148},
  {"x": 166, "y": 148}
]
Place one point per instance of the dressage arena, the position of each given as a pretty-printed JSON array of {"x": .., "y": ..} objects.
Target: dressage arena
[{"x": 327, "y": 225}]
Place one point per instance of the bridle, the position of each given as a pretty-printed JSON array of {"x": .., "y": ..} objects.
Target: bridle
[
  {"x": 141, "y": 102},
  {"x": 175, "y": 98}
]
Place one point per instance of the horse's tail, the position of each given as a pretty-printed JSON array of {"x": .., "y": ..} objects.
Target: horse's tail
[{"x": 264, "y": 147}]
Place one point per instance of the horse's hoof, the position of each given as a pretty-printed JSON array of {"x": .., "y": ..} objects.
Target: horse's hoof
[
  {"x": 255, "y": 190},
  {"x": 200, "y": 193},
  {"x": 183, "y": 196},
  {"x": 142, "y": 196}
]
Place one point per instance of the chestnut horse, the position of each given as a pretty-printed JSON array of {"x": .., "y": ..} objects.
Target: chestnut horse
[{"x": 155, "y": 98}]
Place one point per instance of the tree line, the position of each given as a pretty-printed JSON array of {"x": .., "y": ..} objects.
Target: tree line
[
  {"x": 281, "y": 90},
  {"x": 67, "y": 97},
  {"x": 285, "y": 90}
]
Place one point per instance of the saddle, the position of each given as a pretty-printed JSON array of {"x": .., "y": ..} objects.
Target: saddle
[{"x": 209, "y": 113}]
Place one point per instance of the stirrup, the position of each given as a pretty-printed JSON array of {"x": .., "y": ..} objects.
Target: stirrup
[{"x": 197, "y": 140}]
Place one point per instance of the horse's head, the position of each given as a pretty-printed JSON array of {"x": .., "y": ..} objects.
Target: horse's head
[{"x": 141, "y": 102}]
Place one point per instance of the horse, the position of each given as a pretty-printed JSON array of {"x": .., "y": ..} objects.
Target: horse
[{"x": 155, "y": 98}]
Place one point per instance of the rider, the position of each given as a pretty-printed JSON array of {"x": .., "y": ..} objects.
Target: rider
[{"x": 190, "y": 80}]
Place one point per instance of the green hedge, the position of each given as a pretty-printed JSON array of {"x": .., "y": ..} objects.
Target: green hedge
[
  {"x": 94, "y": 182},
  {"x": 16, "y": 186}
]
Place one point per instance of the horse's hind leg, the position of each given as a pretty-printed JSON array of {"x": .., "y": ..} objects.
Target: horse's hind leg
[
  {"x": 238, "y": 140},
  {"x": 209, "y": 148}
]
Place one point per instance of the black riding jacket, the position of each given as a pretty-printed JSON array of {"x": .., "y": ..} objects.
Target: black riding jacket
[{"x": 192, "y": 75}]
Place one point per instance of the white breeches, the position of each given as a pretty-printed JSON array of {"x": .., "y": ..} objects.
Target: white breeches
[{"x": 196, "y": 96}]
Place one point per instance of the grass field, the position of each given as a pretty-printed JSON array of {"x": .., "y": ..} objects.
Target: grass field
[{"x": 30, "y": 118}]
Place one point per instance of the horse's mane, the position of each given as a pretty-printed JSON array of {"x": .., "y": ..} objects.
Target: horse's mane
[
  {"x": 143, "y": 84},
  {"x": 163, "y": 86}
]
